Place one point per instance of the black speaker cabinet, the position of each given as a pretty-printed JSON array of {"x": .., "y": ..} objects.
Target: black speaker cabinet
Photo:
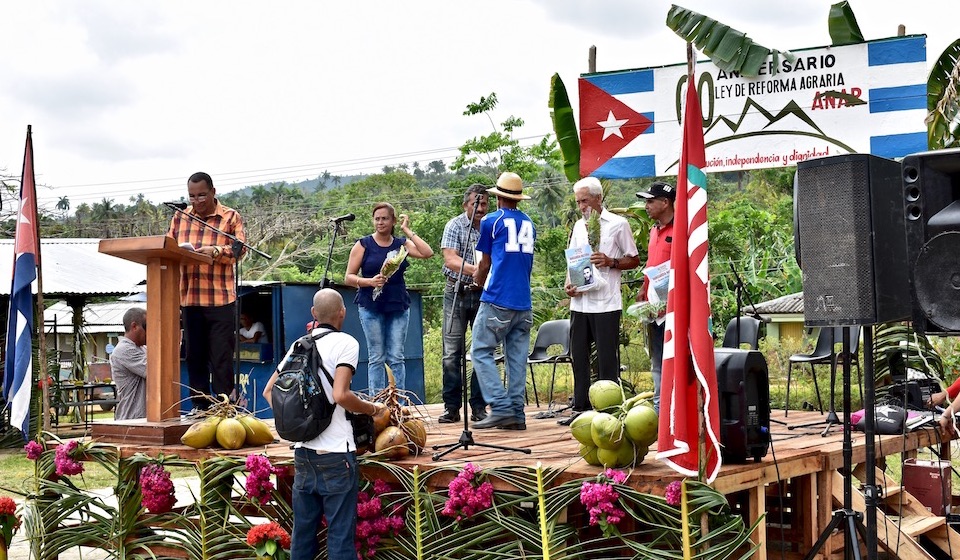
[
  {"x": 851, "y": 230},
  {"x": 744, "y": 404},
  {"x": 931, "y": 197}
]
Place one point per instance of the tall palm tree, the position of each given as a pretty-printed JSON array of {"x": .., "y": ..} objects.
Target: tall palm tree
[{"x": 63, "y": 205}]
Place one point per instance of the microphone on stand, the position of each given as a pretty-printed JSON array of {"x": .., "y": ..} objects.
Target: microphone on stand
[
  {"x": 176, "y": 205},
  {"x": 345, "y": 218}
]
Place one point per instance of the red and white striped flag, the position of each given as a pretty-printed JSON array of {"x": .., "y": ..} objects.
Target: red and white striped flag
[{"x": 688, "y": 361}]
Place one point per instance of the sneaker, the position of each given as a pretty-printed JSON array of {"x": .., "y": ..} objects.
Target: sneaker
[
  {"x": 569, "y": 419},
  {"x": 449, "y": 416}
]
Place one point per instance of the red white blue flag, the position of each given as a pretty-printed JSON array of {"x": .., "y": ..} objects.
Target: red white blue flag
[
  {"x": 18, "y": 368},
  {"x": 688, "y": 362}
]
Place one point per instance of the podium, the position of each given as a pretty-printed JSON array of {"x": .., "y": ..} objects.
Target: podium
[{"x": 163, "y": 258}]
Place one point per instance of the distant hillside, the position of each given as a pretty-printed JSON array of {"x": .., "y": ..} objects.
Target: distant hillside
[{"x": 307, "y": 186}]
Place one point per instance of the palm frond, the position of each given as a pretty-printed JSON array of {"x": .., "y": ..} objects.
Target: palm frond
[
  {"x": 943, "y": 100},
  {"x": 565, "y": 127}
]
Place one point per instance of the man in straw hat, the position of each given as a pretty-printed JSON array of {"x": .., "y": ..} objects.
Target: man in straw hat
[{"x": 506, "y": 242}]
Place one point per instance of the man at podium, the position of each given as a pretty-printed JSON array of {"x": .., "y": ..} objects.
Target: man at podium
[{"x": 208, "y": 291}]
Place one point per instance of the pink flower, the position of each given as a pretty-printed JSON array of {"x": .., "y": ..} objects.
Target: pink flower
[
  {"x": 157, "y": 489},
  {"x": 373, "y": 524},
  {"x": 466, "y": 497},
  {"x": 64, "y": 461},
  {"x": 34, "y": 450},
  {"x": 673, "y": 493},
  {"x": 258, "y": 483},
  {"x": 600, "y": 499}
]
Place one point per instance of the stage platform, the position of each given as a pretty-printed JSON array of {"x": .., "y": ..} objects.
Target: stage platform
[{"x": 792, "y": 484}]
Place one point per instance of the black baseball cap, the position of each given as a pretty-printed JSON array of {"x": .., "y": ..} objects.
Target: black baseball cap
[{"x": 659, "y": 189}]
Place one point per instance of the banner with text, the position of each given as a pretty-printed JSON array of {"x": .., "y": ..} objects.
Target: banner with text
[{"x": 865, "y": 98}]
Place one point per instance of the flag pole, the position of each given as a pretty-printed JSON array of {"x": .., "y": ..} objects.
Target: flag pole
[{"x": 39, "y": 322}]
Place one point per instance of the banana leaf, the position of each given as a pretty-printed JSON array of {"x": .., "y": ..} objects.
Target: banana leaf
[
  {"x": 844, "y": 29},
  {"x": 565, "y": 127},
  {"x": 729, "y": 49}
]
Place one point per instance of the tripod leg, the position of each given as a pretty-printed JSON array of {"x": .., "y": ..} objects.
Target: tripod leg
[{"x": 825, "y": 534}]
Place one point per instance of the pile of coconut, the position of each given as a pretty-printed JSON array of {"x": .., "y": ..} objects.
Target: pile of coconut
[{"x": 619, "y": 430}]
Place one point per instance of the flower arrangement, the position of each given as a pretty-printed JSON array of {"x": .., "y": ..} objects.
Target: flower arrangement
[
  {"x": 9, "y": 520},
  {"x": 600, "y": 498},
  {"x": 66, "y": 464},
  {"x": 673, "y": 493},
  {"x": 258, "y": 485},
  {"x": 157, "y": 489},
  {"x": 467, "y": 496},
  {"x": 270, "y": 540},
  {"x": 372, "y": 524},
  {"x": 34, "y": 450}
]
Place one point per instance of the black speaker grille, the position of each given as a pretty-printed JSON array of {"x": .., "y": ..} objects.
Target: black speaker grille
[{"x": 833, "y": 202}]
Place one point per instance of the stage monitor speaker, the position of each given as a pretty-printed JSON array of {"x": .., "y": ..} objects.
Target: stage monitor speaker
[
  {"x": 931, "y": 197},
  {"x": 744, "y": 401},
  {"x": 851, "y": 228}
]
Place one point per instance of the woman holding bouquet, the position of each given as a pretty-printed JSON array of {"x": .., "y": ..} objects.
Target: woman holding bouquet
[{"x": 382, "y": 296}]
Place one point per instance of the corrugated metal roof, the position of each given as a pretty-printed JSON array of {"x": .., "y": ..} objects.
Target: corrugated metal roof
[
  {"x": 77, "y": 267},
  {"x": 790, "y": 303},
  {"x": 97, "y": 317}
]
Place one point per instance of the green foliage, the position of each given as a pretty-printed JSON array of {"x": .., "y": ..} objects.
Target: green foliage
[
  {"x": 844, "y": 29},
  {"x": 943, "y": 103},
  {"x": 565, "y": 128},
  {"x": 730, "y": 50}
]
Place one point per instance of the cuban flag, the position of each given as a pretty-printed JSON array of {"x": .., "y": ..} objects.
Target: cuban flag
[
  {"x": 608, "y": 125},
  {"x": 689, "y": 371},
  {"x": 18, "y": 367}
]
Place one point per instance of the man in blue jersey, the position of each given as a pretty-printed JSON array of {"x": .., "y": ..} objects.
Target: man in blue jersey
[{"x": 505, "y": 316}]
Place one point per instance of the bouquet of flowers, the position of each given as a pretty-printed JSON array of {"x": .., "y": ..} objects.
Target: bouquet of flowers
[
  {"x": 601, "y": 500},
  {"x": 270, "y": 540},
  {"x": 593, "y": 229},
  {"x": 390, "y": 265},
  {"x": 9, "y": 520}
]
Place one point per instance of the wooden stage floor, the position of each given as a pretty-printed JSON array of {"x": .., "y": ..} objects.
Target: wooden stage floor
[{"x": 802, "y": 455}]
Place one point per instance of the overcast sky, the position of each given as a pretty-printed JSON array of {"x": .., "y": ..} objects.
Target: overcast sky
[{"x": 133, "y": 96}]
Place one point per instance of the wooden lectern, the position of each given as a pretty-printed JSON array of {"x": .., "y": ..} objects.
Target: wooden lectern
[{"x": 163, "y": 258}]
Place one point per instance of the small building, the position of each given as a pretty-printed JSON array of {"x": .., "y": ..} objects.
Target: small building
[{"x": 785, "y": 316}]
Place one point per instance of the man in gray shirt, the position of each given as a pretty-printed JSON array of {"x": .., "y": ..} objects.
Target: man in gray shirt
[{"x": 128, "y": 365}]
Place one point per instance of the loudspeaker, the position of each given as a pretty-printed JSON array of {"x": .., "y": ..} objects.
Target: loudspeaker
[
  {"x": 851, "y": 231},
  {"x": 744, "y": 400},
  {"x": 931, "y": 197}
]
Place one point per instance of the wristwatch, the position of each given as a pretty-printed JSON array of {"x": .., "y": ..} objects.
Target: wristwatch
[
  {"x": 616, "y": 264},
  {"x": 216, "y": 252}
]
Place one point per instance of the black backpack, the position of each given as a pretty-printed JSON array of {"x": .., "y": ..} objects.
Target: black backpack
[{"x": 301, "y": 409}]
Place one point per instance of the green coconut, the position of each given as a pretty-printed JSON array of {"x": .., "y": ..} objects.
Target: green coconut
[
  {"x": 580, "y": 427},
  {"x": 642, "y": 424},
  {"x": 607, "y": 431},
  {"x": 605, "y": 395},
  {"x": 589, "y": 454},
  {"x": 622, "y": 456}
]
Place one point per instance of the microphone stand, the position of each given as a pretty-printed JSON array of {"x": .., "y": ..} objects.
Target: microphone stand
[
  {"x": 236, "y": 246},
  {"x": 741, "y": 290},
  {"x": 337, "y": 230},
  {"x": 466, "y": 437}
]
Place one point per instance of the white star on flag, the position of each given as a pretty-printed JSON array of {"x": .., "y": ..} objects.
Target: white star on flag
[{"x": 611, "y": 126}]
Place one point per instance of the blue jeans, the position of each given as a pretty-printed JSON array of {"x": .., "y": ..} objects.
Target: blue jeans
[
  {"x": 455, "y": 322},
  {"x": 495, "y": 326},
  {"x": 324, "y": 485},
  {"x": 655, "y": 334},
  {"x": 386, "y": 334}
]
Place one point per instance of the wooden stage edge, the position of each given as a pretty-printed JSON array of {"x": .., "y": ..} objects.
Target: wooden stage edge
[{"x": 801, "y": 463}]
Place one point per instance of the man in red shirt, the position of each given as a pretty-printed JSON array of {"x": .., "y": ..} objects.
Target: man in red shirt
[
  {"x": 659, "y": 199},
  {"x": 207, "y": 291}
]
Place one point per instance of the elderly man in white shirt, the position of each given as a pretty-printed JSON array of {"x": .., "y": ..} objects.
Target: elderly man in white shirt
[{"x": 595, "y": 313}]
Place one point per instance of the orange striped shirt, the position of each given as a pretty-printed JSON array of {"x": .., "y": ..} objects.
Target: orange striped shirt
[{"x": 208, "y": 285}]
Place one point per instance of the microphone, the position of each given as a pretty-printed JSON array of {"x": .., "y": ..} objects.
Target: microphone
[
  {"x": 344, "y": 218},
  {"x": 176, "y": 205}
]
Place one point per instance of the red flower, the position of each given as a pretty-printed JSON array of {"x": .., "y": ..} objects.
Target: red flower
[{"x": 259, "y": 536}]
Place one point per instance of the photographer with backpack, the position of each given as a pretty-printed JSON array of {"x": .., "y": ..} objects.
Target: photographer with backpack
[{"x": 326, "y": 479}]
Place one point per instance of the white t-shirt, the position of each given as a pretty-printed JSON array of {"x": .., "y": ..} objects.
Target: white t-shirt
[
  {"x": 255, "y": 328},
  {"x": 616, "y": 242},
  {"x": 336, "y": 349}
]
